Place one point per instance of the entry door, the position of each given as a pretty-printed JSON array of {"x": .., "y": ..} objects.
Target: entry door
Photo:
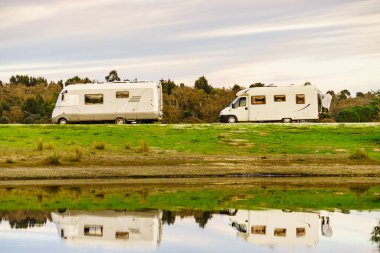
[{"x": 241, "y": 109}]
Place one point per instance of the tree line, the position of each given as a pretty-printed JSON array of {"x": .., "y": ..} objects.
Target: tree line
[{"x": 26, "y": 99}]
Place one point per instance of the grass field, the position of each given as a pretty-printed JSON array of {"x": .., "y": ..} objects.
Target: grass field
[{"x": 297, "y": 147}]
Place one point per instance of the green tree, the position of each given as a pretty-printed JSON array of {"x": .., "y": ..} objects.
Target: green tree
[
  {"x": 256, "y": 85},
  {"x": 30, "y": 105},
  {"x": 237, "y": 87},
  {"x": 202, "y": 84},
  {"x": 167, "y": 86},
  {"x": 307, "y": 83},
  {"x": 112, "y": 76},
  {"x": 77, "y": 79},
  {"x": 344, "y": 94}
]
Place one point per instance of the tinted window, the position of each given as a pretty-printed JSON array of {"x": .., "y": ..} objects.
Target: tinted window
[
  {"x": 122, "y": 94},
  {"x": 258, "y": 100},
  {"x": 242, "y": 102},
  {"x": 90, "y": 99},
  {"x": 279, "y": 98},
  {"x": 300, "y": 98}
]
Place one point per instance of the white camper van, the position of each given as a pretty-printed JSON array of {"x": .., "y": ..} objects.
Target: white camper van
[
  {"x": 270, "y": 103},
  {"x": 116, "y": 101}
]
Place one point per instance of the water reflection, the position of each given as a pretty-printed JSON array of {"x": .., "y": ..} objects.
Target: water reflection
[
  {"x": 275, "y": 227},
  {"x": 191, "y": 230},
  {"x": 109, "y": 227}
]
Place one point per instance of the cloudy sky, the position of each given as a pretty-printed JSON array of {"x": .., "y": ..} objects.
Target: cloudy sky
[{"x": 334, "y": 44}]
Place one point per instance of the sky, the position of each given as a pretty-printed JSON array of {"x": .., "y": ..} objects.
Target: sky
[{"x": 334, "y": 44}]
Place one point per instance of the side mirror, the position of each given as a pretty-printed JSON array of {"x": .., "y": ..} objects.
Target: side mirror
[{"x": 233, "y": 106}]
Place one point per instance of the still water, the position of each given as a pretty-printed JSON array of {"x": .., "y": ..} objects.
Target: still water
[{"x": 231, "y": 230}]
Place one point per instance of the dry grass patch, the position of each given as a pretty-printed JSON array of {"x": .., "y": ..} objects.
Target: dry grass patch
[{"x": 99, "y": 145}]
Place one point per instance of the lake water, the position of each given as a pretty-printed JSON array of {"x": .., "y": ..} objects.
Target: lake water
[
  {"x": 231, "y": 230},
  {"x": 187, "y": 215}
]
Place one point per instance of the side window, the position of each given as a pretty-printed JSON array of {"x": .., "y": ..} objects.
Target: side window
[
  {"x": 280, "y": 232},
  {"x": 300, "y": 98},
  {"x": 242, "y": 102},
  {"x": 300, "y": 232},
  {"x": 93, "y": 230},
  {"x": 122, "y": 94},
  {"x": 90, "y": 99},
  {"x": 258, "y": 230},
  {"x": 258, "y": 100},
  {"x": 279, "y": 98}
]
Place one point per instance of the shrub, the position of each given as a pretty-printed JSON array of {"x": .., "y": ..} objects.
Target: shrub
[
  {"x": 53, "y": 159},
  {"x": 9, "y": 160},
  {"x": 40, "y": 145},
  {"x": 99, "y": 145},
  {"x": 143, "y": 147},
  {"x": 76, "y": 154},
  {"x": 367, "y": 113},
  {"x": 127, "y": 146},
  {"x": 4, "y": 120},
  {"x": 359, "y": 154}
]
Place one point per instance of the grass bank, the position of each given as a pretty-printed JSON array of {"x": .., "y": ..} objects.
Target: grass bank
[{"x": 188, "y": 150}]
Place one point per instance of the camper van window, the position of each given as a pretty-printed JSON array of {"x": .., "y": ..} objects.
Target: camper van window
[
  {"x": 242, "y": 102},
  {"x": 258, "y": 100},
  {"x": 93, "y": 230},
  {"x": 122, "y": 94},
  {"x": 258, "y": 230},
  {"x": 300, "y": 98},
  {"x": 90, "y": 99},
  {"x": 280, "y": 232},
  {"x": 279, "y": 98}
]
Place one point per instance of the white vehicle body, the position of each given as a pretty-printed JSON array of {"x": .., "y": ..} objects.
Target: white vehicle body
[
  {"x": 116, "y": 101},
  {"x": 286, "y": 104},
  {"x": 275, "y": 227},
  {"x": 110, "y": 228}
]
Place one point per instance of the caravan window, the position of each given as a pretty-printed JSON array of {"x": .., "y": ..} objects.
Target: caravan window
[
  {"x": 280, "y": 232},
  {"x": 258, "y": 230},
  {"x": 122, "y": 94},
  {"x": 90, "y": 99},
  {"x": 258, "y": 100},
  {"x": 279, "y": 98},
  {"x": 93, "y": 230},
  {"x": 300, "y": 98}
]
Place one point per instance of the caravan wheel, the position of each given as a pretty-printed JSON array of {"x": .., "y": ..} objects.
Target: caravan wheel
[
  {"x": 120, "y": 121},
  {"x": 231, "y": 119},
  {"x": 62, "y": 121},
  {"x": 287, "y": 120}
]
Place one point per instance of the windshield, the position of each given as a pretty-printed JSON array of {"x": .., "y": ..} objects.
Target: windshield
[{"x": 233, "y": 102}]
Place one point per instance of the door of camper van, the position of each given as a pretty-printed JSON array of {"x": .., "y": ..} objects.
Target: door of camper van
[{"x": 240, "y": 109}]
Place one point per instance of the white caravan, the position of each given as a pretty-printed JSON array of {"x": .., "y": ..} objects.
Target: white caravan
[
  {"x": 271, "y": 103},
  {"x": 276, "y": 227},
  {"x": 110, "y": 228},
  {"x": 116, "y": 101}
]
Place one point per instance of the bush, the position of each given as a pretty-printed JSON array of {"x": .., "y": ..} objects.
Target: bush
[
  {"x": 359, "y": 154},
  {"x": 143, "y": 147},
  {"x": 76, "y": 155},
  {"x": 99, "y": 145},
  {"x": 4, "y": 120},
  {"x": 359, "y": 114},
  {"x": 40, "y": 145},
  {"x": 53, "y": 159}
]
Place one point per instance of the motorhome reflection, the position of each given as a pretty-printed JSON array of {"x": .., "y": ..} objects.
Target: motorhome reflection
[
  {"x": 287, "y": 104},
  {"x": 275, "y": 227},
  {"x": 117, "y": 101},
  {"x": 110, "y": 227}
]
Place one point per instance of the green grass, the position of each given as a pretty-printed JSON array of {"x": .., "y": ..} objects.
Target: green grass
[{"x": 206, "y": 139}]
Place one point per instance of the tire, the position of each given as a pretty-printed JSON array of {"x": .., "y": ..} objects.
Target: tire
[
  {"x": 231, "y": 119},
  {"x": 62, "y": 121},
  {"x": 287, "y": 120},
  {"x": 120, "y": 121}
]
